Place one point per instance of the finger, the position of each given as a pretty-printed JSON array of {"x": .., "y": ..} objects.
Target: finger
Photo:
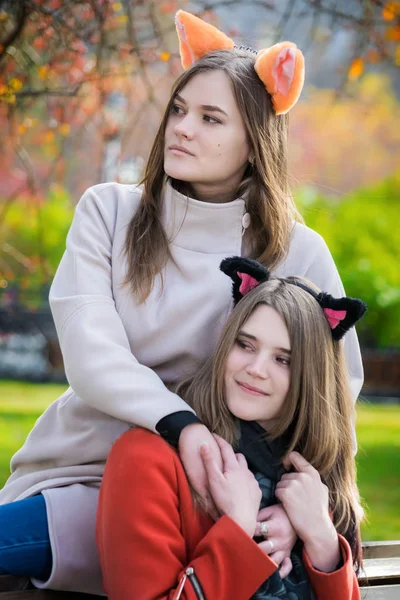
[
  {"x": 267, "y": 547},
  {"x": 281, "y": 485},
  {"x": 241, "y": 460},
  {"x": 210, "y": 466},
  {"x": 299, "y": 462},
  {"x": 285, "y": 567},
  {"x": 227, "y": 453},
  {"x": 277, "y": 557},
  {"x": 258, "y": 532},
  {"x": 288, "y": 476},
  {"x": 266, "y": 513}
]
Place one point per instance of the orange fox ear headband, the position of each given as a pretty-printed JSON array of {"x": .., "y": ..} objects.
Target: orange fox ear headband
[{"x": 280, "y": 67}]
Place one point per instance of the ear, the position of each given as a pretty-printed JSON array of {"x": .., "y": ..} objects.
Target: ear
[
  {"x": 341, "y": 313},
  {"x": 245, "y": 273},
  {"x": 281, "y": 69},
  {"x": 197, "y": 38}
]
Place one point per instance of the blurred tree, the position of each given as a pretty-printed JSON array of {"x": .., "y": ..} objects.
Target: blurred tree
[
  {"x": 83, "y": 82},
  {"x": 362, "y": 234},
  {"x": 34, "y": 232},
  {"x": 339, "y": 144}
]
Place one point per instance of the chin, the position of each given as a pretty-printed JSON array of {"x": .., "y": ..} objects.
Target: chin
[{"x": 177, "y": 171}]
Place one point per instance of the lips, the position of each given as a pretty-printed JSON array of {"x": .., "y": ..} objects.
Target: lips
[
  {"x": 180, "y": 149},
  {"x": 251, "y": 389}
]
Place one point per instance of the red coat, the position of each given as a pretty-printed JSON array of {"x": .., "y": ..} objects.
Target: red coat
[{"x": 149, "y": 532}]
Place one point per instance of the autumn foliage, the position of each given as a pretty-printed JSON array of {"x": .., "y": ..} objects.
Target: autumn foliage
[{"x": 83, "y": 84}]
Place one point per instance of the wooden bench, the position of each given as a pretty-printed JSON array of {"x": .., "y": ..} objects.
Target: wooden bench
[{"x": 380, "y": 579}]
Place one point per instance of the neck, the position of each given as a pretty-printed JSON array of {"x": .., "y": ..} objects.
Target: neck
[{"x": 212, "y": 193}]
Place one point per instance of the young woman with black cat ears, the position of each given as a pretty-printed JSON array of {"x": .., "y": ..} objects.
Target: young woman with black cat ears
[{"x": 276, "y": 388}]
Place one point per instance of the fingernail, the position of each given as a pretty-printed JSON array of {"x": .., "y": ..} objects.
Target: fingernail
[{"x": 204, "y": 445}]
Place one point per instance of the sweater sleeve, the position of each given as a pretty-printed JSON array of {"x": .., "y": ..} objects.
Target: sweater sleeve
[
  {"x": 98, "y": 361},
  {"x": 143, "y": 549},
  {"x": 338, "y": 585}
]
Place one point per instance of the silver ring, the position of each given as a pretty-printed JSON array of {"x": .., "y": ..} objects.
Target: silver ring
[
  {"x": 264, "y": 529},
  {"x": 272, "y": 546}
]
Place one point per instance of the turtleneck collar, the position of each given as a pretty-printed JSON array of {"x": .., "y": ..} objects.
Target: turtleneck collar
[{"x": 206, "y": 227}]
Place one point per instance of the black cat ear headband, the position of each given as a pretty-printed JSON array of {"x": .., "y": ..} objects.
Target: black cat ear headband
[{"x": 246, "y": 274}]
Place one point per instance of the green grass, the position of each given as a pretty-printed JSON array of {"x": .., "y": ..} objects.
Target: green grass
[{"x": 378, "y": 458}]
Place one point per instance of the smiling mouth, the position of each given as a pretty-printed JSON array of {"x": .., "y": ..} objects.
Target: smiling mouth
[{"x": 251, "y": 390}]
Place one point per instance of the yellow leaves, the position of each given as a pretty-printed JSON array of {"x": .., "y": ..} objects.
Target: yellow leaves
[
  {"x": 165, "y": 56},
  {"x": 397, "y": 57},
  {"x": 391, "y": 10},
  {"x": 7, "y": 92},
  {"x": 48, "y": 137},
  {"x": 15, "y": 84},
  {"x": 117, "y": 6},
  {"x": 356, "y": 68},
  {"x": 64, "y": 129},
  {"x": 26, "y": 125},
  {"x": 3, "y": 16},
  {"x": 43, "y": 71},
  {"x": 392, "y": 34},
  {"x": 7, "y": 96}
]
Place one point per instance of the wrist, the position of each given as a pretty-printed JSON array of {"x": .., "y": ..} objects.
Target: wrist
[
  {"x": 248, "y": 527},
  {"x": 172, "y": 426},
  {"x": 323, "y": 549}
]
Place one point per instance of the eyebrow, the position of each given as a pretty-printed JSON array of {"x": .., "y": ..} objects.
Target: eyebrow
[
  {"x": 208, "y": 107},
  {"x": 255, "y": 339}
]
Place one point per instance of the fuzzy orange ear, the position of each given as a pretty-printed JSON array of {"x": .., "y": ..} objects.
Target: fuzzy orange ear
[
  {"x": 281, "y": 69},
  {"x": 197, "y": 38}
]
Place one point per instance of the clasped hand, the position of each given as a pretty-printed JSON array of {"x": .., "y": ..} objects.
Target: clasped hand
[{"x": 227, "y": 486}]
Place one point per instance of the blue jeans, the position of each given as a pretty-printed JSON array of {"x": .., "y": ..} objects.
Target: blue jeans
[{"x": 24, "y": 539}]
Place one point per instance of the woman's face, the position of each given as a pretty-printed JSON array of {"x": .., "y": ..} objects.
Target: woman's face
[
  {"x": 206, "y": 122},
  {"x": 257, "y": 373}
]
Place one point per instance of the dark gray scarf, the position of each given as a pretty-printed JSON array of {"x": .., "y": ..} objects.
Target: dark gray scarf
[{"x": 263, "y": 458}]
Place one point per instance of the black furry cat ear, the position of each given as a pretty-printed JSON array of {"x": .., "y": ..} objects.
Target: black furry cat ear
[
  {"x": 245, "y": 273},
  {"x": 342, "y": 313}
]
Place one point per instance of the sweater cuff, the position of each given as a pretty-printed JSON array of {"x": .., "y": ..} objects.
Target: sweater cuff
[{"x": 170, "y": 427}]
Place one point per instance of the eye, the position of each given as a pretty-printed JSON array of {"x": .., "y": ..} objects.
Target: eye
[
  {"x": 284, "y": 360},
  {"x": 211, "y": 119},
  {"x": 243, "y": 345},
  {"x": 175, "y": 108}
]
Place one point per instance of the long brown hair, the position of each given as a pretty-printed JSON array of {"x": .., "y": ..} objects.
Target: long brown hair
[
  {"x": 265, "y": 183},
  {"x": 318, "y": 409}
]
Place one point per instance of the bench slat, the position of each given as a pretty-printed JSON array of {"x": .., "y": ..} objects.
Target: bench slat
[
  {"x": 376, "y": 569},
  {"x": 390, "y": 549},
  {"x": 381, "y": 592}
]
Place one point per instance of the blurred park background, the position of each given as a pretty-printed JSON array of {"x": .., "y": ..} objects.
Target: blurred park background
[{"x": 83, "y": 84}]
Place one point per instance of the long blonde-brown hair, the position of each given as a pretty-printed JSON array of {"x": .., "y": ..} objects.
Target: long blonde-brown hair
[
  {"x": 318, "y": 409},
  {"x": 268, "y": 198}
]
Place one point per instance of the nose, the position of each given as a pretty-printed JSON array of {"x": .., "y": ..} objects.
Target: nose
[
  {"x": 258, "y": 367},
  {"x": 184, "y": 128}
]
